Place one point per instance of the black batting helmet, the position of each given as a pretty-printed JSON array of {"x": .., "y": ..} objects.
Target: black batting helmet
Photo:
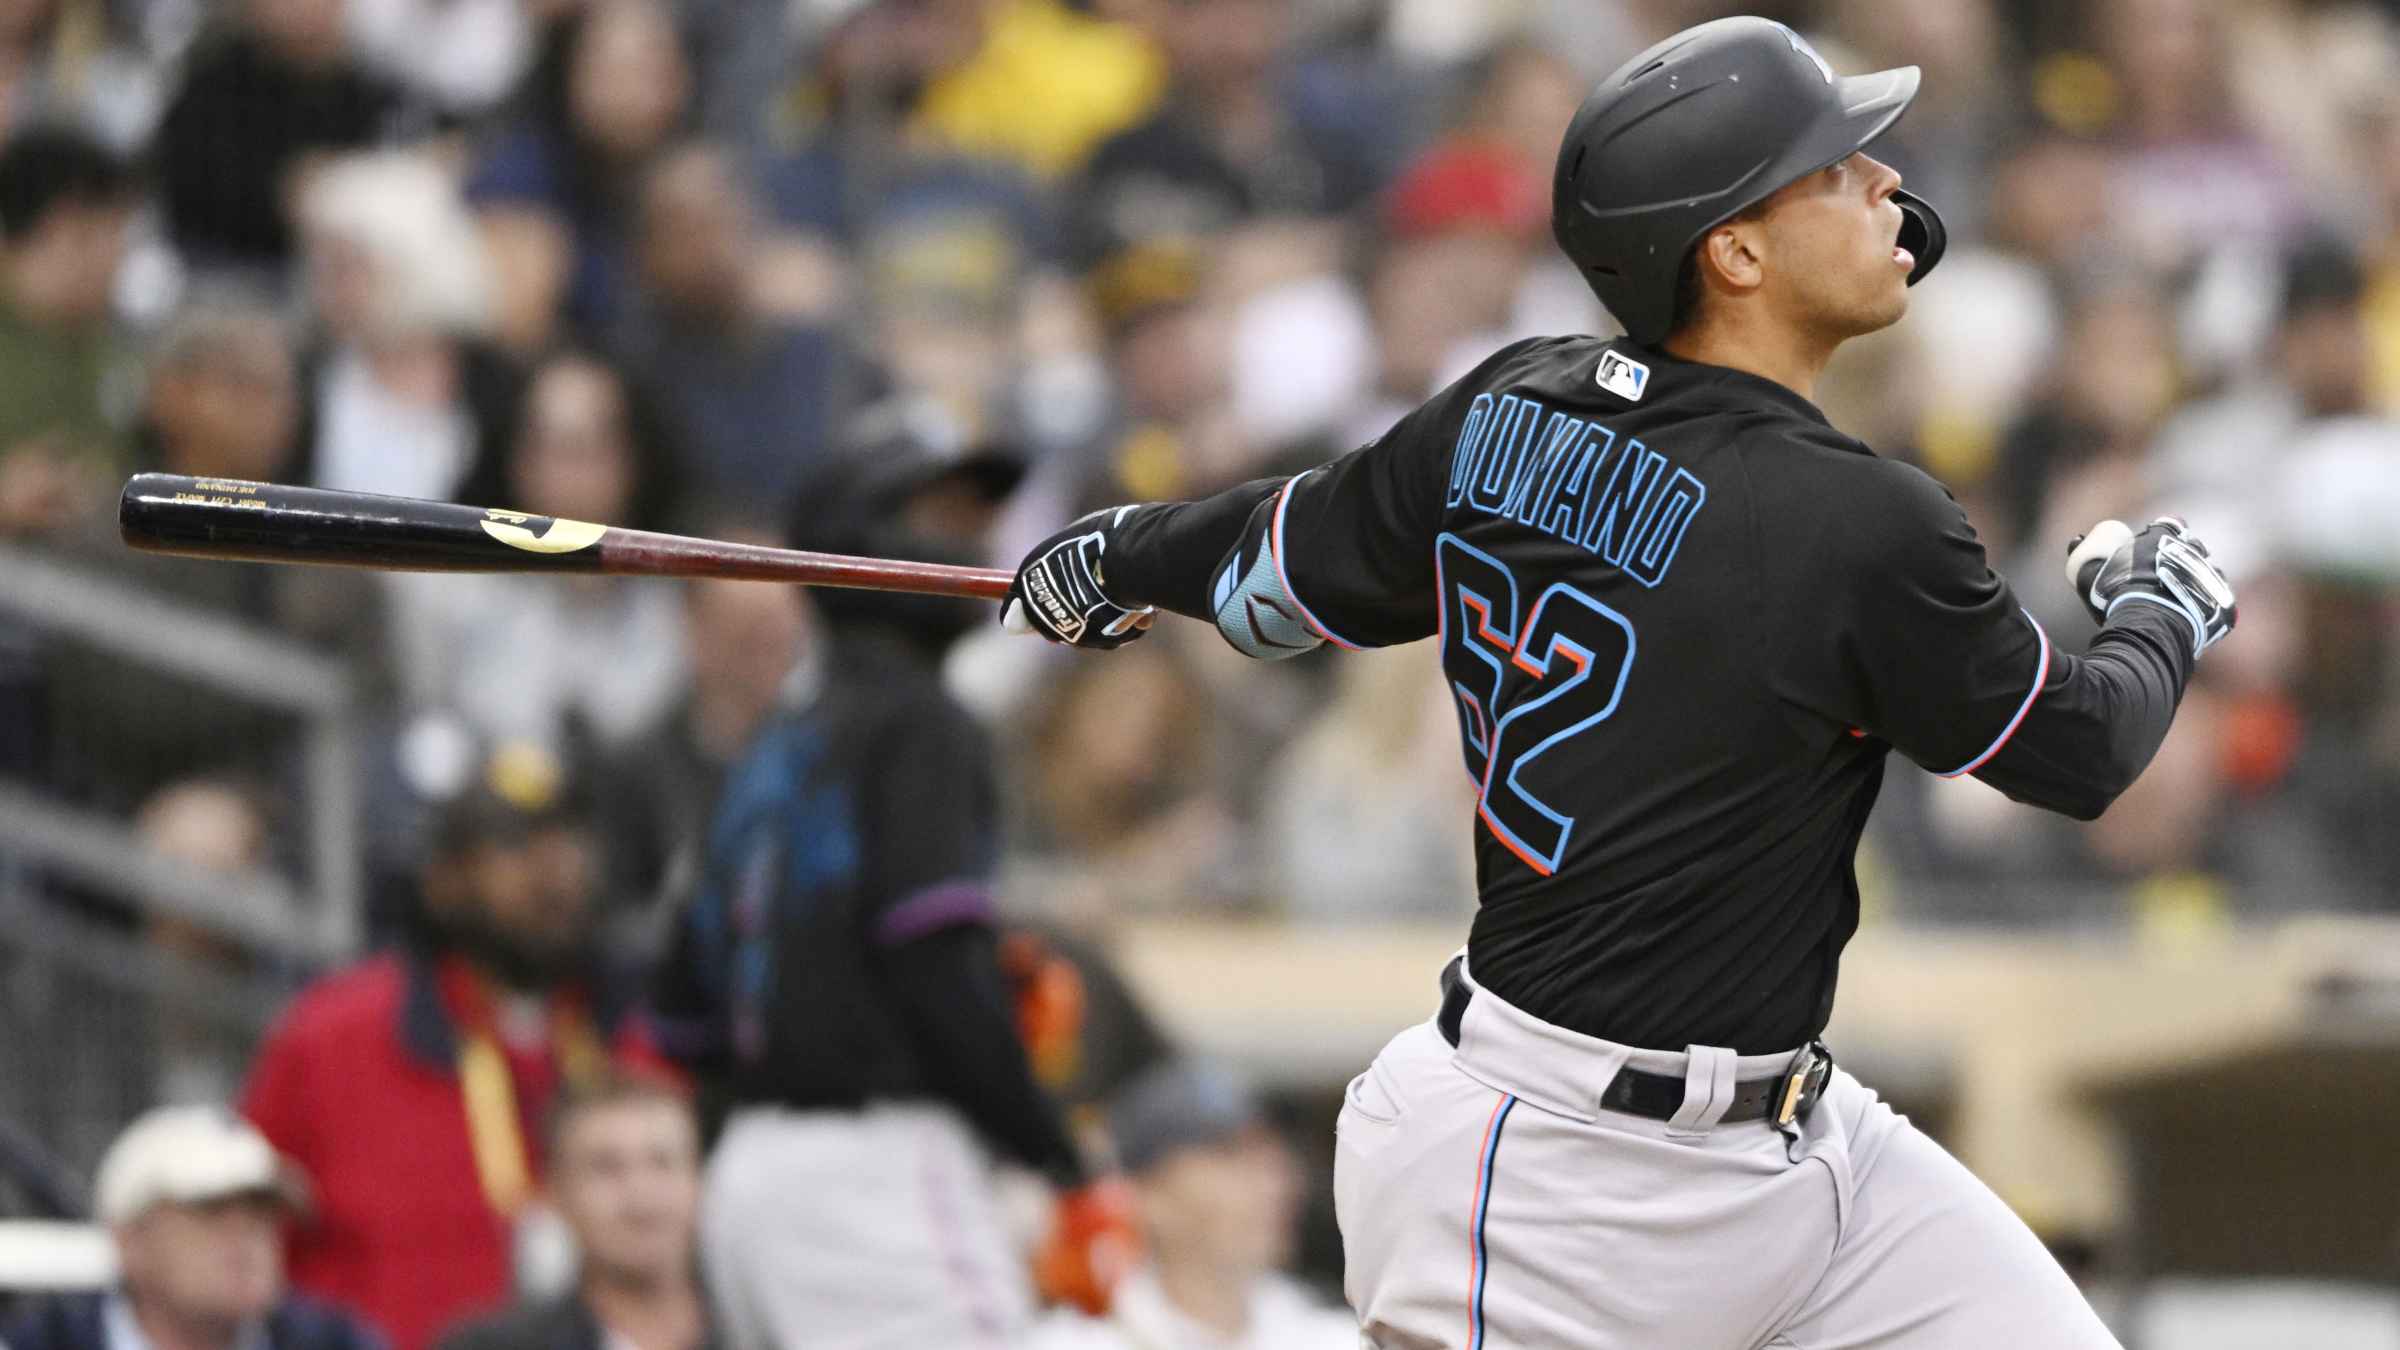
[
  {"x": 895, "y": 453},
  {"x": 1696, "y": 130}
]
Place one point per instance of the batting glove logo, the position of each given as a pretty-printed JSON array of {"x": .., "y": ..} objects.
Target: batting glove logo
[{"x": 1058, "y": 590}]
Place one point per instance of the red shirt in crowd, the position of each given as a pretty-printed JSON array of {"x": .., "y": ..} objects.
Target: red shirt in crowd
[{"x": 360, "y": 1083}]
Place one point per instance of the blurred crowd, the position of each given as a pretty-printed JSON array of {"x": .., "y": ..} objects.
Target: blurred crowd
[
  {"x": 656, "y": 265},
  {"x": 195, "y": 1200},
  {"x": 681, "y": 264}
]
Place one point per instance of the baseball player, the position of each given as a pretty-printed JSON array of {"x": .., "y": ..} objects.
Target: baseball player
[
  {"x": 838, "y": 977},
  {"x": 1684, "y": 619}
]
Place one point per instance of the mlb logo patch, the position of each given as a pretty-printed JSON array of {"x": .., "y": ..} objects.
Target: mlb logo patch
[{"x": 1623, "y": 376}]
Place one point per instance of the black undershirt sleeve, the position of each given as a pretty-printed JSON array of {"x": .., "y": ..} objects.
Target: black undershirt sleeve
[
  {"x": 2100, "y": 717},
  {"x": 1919, "y": 642},
  {"x": 950, "y": 993},
  {"x": 932, "y": 810},
  {"x": 1167, "y": 555}
]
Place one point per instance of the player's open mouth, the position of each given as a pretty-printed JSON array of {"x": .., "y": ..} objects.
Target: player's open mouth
[{"x": 1903, "y": 257}]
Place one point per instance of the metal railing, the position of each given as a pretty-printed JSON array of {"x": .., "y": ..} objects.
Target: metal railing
[
  {"x": 316, "y": 922},
  {"x": 102, "y": 1024}
]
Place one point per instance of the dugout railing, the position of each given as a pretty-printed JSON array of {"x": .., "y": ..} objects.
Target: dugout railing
[
  {"x": 103, "y": 1024},
  {"x": 98, "y": 1021},
  {"x": 318, "y": 920}
]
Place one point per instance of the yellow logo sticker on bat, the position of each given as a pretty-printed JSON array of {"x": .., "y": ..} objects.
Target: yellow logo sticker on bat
[{"x": 563, "y": 536}]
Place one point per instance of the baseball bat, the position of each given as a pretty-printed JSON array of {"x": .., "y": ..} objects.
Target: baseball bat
[{"x": 270, "y": 522}]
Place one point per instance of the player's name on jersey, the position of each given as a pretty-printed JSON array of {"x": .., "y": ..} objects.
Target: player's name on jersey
[{"x": 1573, "y": 478}]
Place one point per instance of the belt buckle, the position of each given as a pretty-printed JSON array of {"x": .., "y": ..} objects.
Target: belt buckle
[{"x": 1802, "y": 1083}]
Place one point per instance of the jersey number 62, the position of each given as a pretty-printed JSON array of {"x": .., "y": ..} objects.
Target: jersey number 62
[{"x": 1526, "y": 680}]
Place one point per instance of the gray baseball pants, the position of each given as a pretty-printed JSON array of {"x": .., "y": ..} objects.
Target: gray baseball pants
[
  {"x": 1487, "y": 1200},
  {"x": 874, "y": 1229}
]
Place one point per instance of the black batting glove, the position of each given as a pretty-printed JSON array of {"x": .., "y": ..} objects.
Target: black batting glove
[
  {"x": 1058, "y": 592},
  {"x": 2164, "y": 565}
]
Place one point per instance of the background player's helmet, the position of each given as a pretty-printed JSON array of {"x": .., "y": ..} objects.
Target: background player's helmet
[
  {"x": 1695, "y": 130},
  {"x": 897, "y": 450}
]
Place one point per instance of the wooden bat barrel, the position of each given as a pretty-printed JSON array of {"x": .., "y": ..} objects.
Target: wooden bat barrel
[{"x": 270, "y": 522}]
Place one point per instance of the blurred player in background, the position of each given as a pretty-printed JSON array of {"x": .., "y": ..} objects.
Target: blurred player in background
[
  {"x": 412, "y": 1086},
  {"x": 1218, "y": 1195},
  {"x": 837, "y": 981},
  {"x": 625, "y": 1179}
]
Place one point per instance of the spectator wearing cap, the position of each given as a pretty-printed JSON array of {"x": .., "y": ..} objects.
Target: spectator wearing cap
[
  {"x": 1467, "y": 262},
  {"x": 1466, "y": 222},
  {"x": 1230, "y": 142},
  {"x": 1170, "y": 374},
  {"x": 65, "y": 203},
  {"x": 410, "y": 1086},
  {"x": 1245, "y": 165},
  {"x": 836, "y": 978},
  {"x": 193, "y": 1198},
  {"x": 1218, "y": 1196},
  {"x": 625, "y": 1178},
  {"x": 1462, "y": 224}
]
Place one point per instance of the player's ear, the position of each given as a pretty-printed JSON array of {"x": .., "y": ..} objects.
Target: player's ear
[{"x": 1732, "y": 255}]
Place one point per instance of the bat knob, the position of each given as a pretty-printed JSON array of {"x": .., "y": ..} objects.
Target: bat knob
[{"x": 2088, "y": 553}]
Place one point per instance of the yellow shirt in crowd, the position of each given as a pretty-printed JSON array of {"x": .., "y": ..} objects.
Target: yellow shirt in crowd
[{"x": 1047, "y": 87}]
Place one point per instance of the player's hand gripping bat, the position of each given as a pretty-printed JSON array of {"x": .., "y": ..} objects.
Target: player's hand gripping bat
[{"x": 267, "y": 522}]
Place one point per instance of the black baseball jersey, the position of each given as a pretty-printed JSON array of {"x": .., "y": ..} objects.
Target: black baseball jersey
[
  {"x": 838, "y": 949},
  {"x": 1683, "y": 620}
]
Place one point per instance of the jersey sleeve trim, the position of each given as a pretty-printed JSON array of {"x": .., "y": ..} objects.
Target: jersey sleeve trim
[
  {"x": 951, "y": 904},
  {"x": 2041, "y": 676},
  {"x": 1282, "y": 574}
]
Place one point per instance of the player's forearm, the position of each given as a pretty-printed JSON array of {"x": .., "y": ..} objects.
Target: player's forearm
[
  {"x": 1167, "y": 555},
  {"x": 2096, "y": 726},
  {"x": 958, "y": 1011}
]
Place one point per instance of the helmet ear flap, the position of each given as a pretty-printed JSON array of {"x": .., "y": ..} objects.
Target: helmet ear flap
[{"x": 1921, "y": 233}]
